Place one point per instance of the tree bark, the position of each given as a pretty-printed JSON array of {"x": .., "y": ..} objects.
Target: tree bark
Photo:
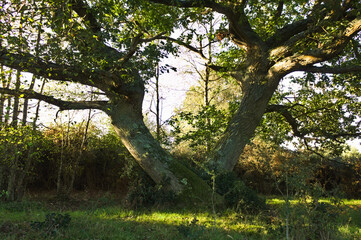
[
  {"x": 242, "y": 126},
  {"x": 13, "y": 168},
  {"x": 14, "y": 122},
  {"x": 128, "y": 122}
]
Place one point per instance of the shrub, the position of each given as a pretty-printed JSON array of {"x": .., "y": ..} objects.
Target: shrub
[
  {"x": 52, "y": 224},
  {"x": 237, "y": 195},
  {"x": 145, "y": 194}
]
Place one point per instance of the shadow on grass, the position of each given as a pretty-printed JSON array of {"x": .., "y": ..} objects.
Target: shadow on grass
[{"x": 109, "y": 220}]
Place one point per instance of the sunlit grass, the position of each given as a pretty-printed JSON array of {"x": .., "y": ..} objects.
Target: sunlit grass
[
  {"x": 116, "y": 222},
  {"x": 280, "y": 201}
]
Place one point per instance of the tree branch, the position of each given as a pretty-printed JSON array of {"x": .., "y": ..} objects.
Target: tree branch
[
  {"x": 29, "y": 63},
  {"x": 299, "y": 61},
  {"x": 334, "y": 70},
  {"x": 283, "y": 110},
  {"x": 239, "y": 27},
  {"x": 186, "y": 45},
  {"x": 287, "y": 32},
  {"x": 191, "y": 4},
  {"x": 63, "y": 105},
  {"x": 83, "y": 11}
]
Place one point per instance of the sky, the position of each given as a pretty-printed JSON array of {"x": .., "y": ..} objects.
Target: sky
[{"x": 173, "y": 88}]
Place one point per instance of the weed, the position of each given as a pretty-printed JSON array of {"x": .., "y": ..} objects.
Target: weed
[
  {"x": 191, "y": 230},
  {"x": 52, "y": 224},
  {"x": 4, "y": 195}
]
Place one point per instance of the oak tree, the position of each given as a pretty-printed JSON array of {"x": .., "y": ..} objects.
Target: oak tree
[{"x": 110, "y": 45}]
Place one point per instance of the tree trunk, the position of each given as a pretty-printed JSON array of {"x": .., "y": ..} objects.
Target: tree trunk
[
  {"x": 38, "y": 106},
  {"x": 78, "y": 158},
  {"x": 157, "y": 104},
  {"x": 12, "y": 176},
  {"x": 21, "y": 184},
  {"x": 1, "y": 177},
  {"x": 16, "y": 101},
  {"x": 128, "y": 122},
  {"x": 26, "y": 102},
  {"x": 242, "y": 126},
  {"x": 59, "y": 182},
  {"x": 2, "y": 96}
]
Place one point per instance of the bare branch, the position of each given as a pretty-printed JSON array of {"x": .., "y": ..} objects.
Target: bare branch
[
  {"x": 186, "y": 45},
  {"x": 63, "y": 105},
  {"x": 136, "y": 41},
  {"x": 278, "y": 11},
  {"x": 283, "y": 110}
]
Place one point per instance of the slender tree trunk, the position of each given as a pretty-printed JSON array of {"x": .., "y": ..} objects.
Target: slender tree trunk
[
  {"x": 2, "y": 105},
  {"x": 157, "y": 104},
  {"x": 21, "y": 185},
  {"x": 26, "y": 102},
  {"x": 16, "y": 101},
  {"x": 32, "y": 84},
  {"x": 18, "y": 78},
  {"x": 1, "y": 176},
  {"x": 8, "y": 108},
  {"x": 38, "y": 106},
  {"x": 2, "y": 96},
  {"x": 12, "y": 176},
  {"x": 76, "y": 164},
  {"x": 59, "y": 182},
  {"x": 6, "y": 84}
]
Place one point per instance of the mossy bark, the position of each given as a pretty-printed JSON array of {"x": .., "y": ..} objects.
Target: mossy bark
[{"x": 155, "y": 161}]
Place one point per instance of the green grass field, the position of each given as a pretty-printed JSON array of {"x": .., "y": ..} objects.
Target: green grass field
[{"x": 107, "y": 219}]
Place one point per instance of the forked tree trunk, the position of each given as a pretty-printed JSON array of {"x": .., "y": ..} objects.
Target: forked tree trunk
[{"x": 128, "y": 122}]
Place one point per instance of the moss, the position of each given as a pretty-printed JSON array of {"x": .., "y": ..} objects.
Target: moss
[{"x": 196, "y": 192}]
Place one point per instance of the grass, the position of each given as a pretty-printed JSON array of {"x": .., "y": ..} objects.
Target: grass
[{"x": 107, "y": 219}]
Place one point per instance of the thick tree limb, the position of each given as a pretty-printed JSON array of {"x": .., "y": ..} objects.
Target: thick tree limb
[
  {"x": 289, "y": 31},
  {"x": 334, "y": 70},
  {"x": 63, "y": 105},
  {"x": 29, "y": 63},
  {"x": 300, "y": 61},
  {"x": 197, "y": 3},
  {"x": 239, "y": 27}
]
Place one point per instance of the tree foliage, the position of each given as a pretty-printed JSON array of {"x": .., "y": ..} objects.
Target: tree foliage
[{"x": 110, "y": 45}]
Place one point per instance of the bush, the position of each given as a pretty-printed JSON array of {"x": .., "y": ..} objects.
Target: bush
[
  {"x": 237, "y": 195},
  {"x": 20, "y": 149},
  {"x": 53, "y": 223},
  {"x": 145, "y": 194}
]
